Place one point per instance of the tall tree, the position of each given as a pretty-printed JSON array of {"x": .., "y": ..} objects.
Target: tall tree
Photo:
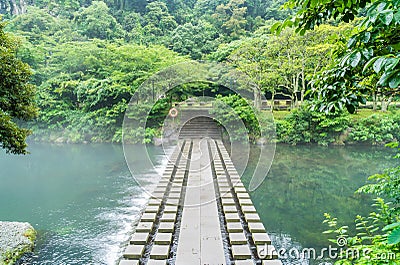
[
  {"x": 96, "y": 21},
  {"x": 372, "y": 52},
  {"x": 16, "y": 96},
  {"x": 232, "y": 18},
  {"x": 158, "y": 21}
]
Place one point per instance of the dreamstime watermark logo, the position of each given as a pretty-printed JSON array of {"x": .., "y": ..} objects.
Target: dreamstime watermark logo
[
  {"x": 341, "y": 250},
  {"x": 160, "y": 88}
]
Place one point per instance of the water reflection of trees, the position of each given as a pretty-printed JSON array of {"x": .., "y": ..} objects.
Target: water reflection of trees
[{"x": 306, "y": 181}]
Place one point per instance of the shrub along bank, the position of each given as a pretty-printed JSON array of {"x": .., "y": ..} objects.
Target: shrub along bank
[{"x": 303, "y": 126}]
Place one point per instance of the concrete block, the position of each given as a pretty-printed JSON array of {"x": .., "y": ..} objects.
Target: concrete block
[
  {"x": 158, "y": 195},
  {"x": 159, "y": 190},
  {"x": 256, "y": 227},
  {"x": 168, "y": 217},
  {"x": 172, "y": 201},
  {"x": 148, "y": 217},
  {"x": 154, "y": 202},
  {"x": 170, "y": 209},
  {"x": 174, "y": 195},
  {"x": 139, "y": 238},
  {"x": 151, "y": 209},
  {"x": 243, "y": 195},
  {"x": 239, "y": 184},
  {"x": 163, "y": 239},
  {"x": 227, "y": 195},
  {"x": 241, "y": 252},
  {"x": 166, "y": 227},
  {"x": 267, "y": 252},
  {"x": 159, "y": 252},
  {"x": 245, "y": 202},
  {"x": 237, "y": 238},
  {"x": 144, "y": 227},
  {"x": 252, "y": 217},
  {"x": 244, "y": 262},
  {"x": 261, "y": 239},
  {"x": 248, "y": 209},
  {"x": 228, "y": 201},
  {"x": 232, "y": 217},
  {"x": 240, "y": 189},
  {"x": 156, "y": 262},
  {"x": 233, "y": 227},
  {"x": 175, "y": 189},
  {"x": 133, "y": 251},
  {"x": 129, "y": 262},
  {"x": 230, "y": 209}
]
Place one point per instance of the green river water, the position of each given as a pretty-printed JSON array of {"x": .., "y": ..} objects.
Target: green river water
[{"x": 83, "y": 201}]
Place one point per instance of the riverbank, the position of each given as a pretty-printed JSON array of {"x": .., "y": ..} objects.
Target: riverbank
[
  {"x": 299, "y": 126},
  {"x": 16, "y": 239}
]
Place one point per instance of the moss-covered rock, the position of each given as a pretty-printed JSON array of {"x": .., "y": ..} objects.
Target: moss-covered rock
[{"x": 16, "y": 239}]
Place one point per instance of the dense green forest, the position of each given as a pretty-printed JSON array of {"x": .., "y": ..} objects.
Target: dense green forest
[{"x": 88, "y": 58}]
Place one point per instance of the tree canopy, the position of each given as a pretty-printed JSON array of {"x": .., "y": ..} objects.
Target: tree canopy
[
  {"x": 369, "y": 64},
  {"x": 16, "y": 95}
]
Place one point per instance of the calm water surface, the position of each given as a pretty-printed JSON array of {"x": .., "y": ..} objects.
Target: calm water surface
[
  {"x": 307, "y": 181},
  {"x": 82, "y": 199}
]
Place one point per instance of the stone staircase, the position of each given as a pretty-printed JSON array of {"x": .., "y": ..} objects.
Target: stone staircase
[{"x": 200, "y": 127}]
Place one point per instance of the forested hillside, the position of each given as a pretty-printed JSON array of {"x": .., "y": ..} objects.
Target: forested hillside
[{"x": 88, "y": 57}]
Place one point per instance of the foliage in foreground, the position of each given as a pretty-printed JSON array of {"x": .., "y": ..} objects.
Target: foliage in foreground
[
  {"x": 369, "y": 65},
  {"x": 378, "y": 238},
  {"x": 16, "y": 95}
]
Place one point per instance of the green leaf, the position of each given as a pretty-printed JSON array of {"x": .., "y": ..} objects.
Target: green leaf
[
  {"x": 366, "y": 37},
  {"x": 275, "y": 27},
  {"x": 384, "y": 78},
  {"x": 368, "y": 53},
  {"x": 394, "y": 225},
  {"x": 355, "y": 59},
  {"x": 397, "y": 17},
  {"x": 394, "y": 237},
  {"x": 350, "y": 108},
  {"x": 378, "y": 64},
  {"x": 391, "y": 63},
  {"x": 369, "y": 63},
  {"x": 387, "y": 17},
  {"x": 351, "y": 42},
  {"x": 381, "y": 7},
  {"x": 394, "y": 82}
]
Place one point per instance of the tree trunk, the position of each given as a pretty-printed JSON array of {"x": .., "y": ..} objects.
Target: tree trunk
[
  {"x": 375, "y": 101},
  {"x": 14, "y": 8},
  {"x": 257, "y": 98},
  {"x": 385, "y": 103},
  {"x": 272, "y": 100},
  {"x": 17, "y": 9},
  {"x": 303, "y": 86}
]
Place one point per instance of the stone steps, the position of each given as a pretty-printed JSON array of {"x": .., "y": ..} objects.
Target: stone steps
[{"x": 200, "y": 127}]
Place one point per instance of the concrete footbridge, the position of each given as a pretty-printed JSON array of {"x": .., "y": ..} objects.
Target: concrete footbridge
[{"x": 200, "y": 213}]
